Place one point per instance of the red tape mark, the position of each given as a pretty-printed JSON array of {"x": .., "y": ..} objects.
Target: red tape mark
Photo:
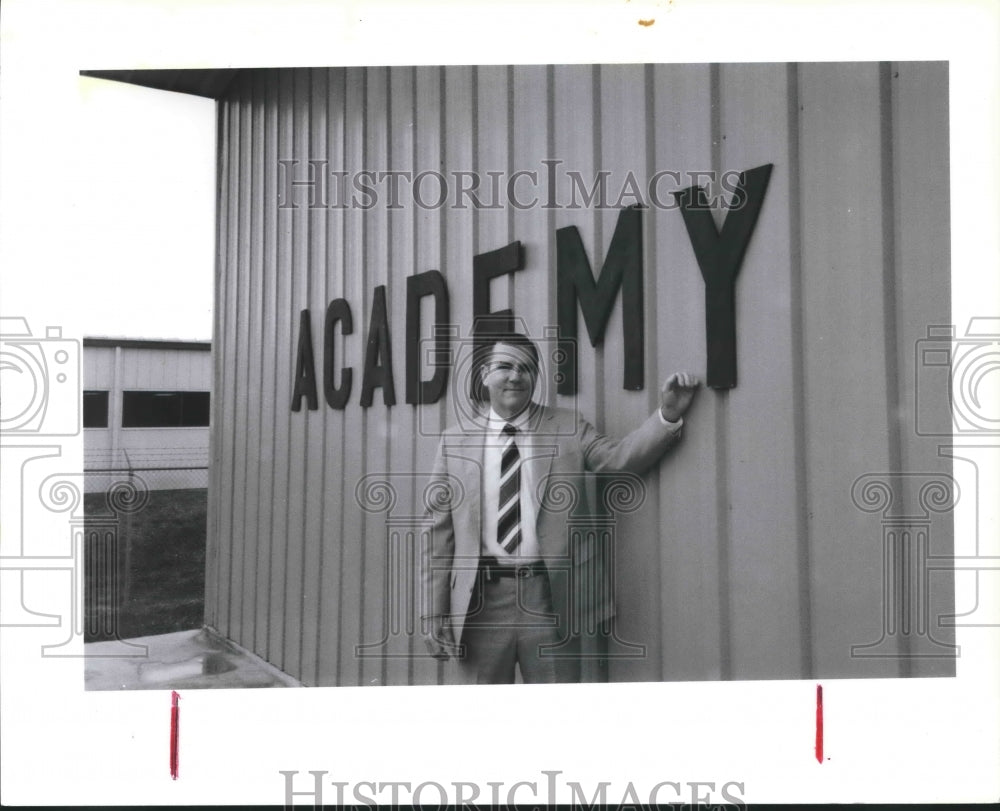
[
  {"x": 819, "y": 723},
  {"x": 174, "y": 719}
]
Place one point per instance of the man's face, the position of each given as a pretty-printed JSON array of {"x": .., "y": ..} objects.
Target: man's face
[{"x": 509, "y": 377}]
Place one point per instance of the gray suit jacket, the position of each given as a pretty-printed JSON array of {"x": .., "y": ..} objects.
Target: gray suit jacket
[{"x": 565, "y": 446}]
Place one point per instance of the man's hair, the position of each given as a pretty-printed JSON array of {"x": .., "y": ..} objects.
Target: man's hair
[{"x": 511, "y": 339}]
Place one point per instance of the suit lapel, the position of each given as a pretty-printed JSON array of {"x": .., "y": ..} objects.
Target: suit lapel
[
  {"x": 465, "y": 453},
  {"x": 544, "y": 450},
  {"x": 475, "y": 449}
]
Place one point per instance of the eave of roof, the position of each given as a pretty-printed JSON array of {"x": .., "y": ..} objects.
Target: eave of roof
[
  {"x": 148, "y": 343},
  {"x": 208, "y": 82}
]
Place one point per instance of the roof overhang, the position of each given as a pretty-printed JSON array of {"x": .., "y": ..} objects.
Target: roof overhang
[
  {"x": 211, "y": 83},
  {"x": 144, "y": 343}
]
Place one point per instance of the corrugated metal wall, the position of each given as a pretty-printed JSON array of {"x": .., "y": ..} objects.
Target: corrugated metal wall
[
  {"x": 147, "y": 369},
  {"x": 754, "y": 554}
]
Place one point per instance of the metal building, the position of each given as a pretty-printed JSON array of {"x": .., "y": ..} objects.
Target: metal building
[
  {"x": 146, "y": 407},
  {"x": 790, "y": 534}
]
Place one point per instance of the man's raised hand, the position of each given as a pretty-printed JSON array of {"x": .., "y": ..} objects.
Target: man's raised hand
[{"x": 676, "y": 395}]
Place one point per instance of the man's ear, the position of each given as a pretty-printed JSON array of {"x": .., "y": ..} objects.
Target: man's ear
[{"x": 483, "y": 371}]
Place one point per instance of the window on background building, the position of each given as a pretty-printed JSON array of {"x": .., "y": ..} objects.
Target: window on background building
[
  {"x": 165, "y": 409},
  {"x": 95, "y": 409}
]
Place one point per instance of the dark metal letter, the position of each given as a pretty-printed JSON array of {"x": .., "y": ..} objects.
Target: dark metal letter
[
  {"x": 337, "y": 311},
  {"x": 486, "y": 267},
  {"x": 378, "y": 374},
  {"x": 429, "y": 283},
  {"x": 305, "y": 368},
  {"x": 719, "y": 256},
  {"x": 622, "y": 268}
]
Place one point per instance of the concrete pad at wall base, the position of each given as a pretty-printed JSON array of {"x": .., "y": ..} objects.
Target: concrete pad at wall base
[{"x": 195, "y": 659}]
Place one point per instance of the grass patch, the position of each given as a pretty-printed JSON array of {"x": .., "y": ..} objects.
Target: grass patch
[{"x": 160, "y": 556}]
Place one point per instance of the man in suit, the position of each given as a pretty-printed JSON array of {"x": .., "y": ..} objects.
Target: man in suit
[{"x": 505, "y": 581}]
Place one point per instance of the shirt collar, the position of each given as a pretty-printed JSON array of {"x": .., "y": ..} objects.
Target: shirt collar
[{"x": 495, "y": 422}]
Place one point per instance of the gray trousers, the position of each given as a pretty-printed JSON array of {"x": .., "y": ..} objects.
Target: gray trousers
[{"x": 511, "y": 623}]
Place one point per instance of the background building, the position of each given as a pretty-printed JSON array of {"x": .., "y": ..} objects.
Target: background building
[
  {"x": 146, "y": 407},
  {"x": 787, "y": 537}
]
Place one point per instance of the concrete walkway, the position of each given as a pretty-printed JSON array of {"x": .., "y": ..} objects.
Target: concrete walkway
[{"x": 186, "y": 659}]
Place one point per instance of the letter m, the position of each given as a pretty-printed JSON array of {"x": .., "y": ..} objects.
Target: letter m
[{"x": 622, "y": 269}]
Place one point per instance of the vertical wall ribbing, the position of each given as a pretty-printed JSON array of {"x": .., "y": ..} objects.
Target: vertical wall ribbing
[
  {"x": 723, "y": 471},
  {"x": 804, "y": 566}
]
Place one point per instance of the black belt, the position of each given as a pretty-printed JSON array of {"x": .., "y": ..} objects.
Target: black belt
[{"x": 492, "y": 570}]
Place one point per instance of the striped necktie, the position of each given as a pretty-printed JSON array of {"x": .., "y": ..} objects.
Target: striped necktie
[{"x": 509, "y": 514}]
